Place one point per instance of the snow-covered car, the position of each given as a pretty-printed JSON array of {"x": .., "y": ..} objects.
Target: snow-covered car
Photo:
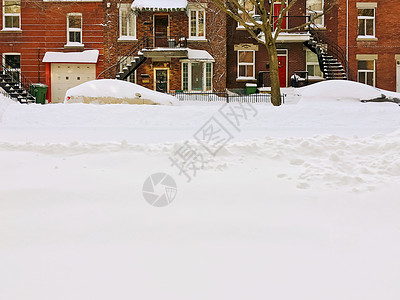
[{"x": 111, "y": 91}]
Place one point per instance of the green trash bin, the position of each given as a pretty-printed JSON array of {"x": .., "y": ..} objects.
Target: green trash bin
[
  {"x": 39, "y": 91},
  {"x": 251, "y": 88}
]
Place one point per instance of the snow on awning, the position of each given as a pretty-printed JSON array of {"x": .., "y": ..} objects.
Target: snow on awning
[
  {"x": 88, "y": 56},
  {"x": 160, "y": 5},
  {"x": 199, "y": 55}
]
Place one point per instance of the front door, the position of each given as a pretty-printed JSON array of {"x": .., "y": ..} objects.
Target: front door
[
  {"x": 277, "y": 11},
  {"x": 161, "y": 80},
  {"x": 161, "y": 31},
  {"x": 282, "y": 64}
]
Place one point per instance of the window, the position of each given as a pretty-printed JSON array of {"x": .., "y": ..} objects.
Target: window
[
  {"x": 366, "y": 22},
  {"x": 12, "y": 62},
  {"x": 246, "y": 64},
  {"x": 197, "y": 23},
  {"x": 315, "y": 8},
  {"x": 250, "y": 9},
  {"x": 313, "y": 64},
  {"x": 127, "y": 23},
  {"x": 366, "y": 72},
  {"x": 11, "y": 14},
  {"x": 74, "y": 28},
  {"x": 196, "y": 76}
]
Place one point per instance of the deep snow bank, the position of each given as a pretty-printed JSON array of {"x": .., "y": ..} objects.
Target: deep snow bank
[
  {"x": 342, "y": 90},
  {"x": 116, "y": 91}
]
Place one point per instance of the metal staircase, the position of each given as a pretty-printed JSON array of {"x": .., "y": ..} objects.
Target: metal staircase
[
  {"x": 129, "y": 65},
  {"x": 331, "y": 58},
  {"x": 16, "y": 89}
]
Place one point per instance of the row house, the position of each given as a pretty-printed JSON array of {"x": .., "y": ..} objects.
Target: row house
[
  {"x": 166, "y": 46},
  {"x": 369, "y": 40},
  {"x": 59, "y": 43}
]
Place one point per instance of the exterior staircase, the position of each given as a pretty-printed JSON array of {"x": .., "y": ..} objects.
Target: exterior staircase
[
  {"x": 14, "y": 88},
  {"x": 130, "y": 67},
  {"x": 330, "y": 58}
]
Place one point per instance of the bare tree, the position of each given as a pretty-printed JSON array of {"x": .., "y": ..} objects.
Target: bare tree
[{"x": 266, "y": 28}]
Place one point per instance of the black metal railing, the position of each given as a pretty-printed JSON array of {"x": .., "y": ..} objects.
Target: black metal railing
[
  {"x": 165, "y": 41},
  {"x": 20, "y": 79},
  {"x": 333, "y": 49},
  {"x": 224, "y": 97},
  {"x": 147, "y": 42}
]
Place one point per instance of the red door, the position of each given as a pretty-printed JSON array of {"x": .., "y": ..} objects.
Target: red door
[
  {"x": 282, "y": 64},
  {"x": 277, "y": 11}
]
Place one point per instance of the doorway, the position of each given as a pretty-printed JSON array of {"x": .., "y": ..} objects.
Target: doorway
[
  {"x": 161, "y": 30},
  {"x": 282, "y": 65},
  {"x": 161, "y": 80}
]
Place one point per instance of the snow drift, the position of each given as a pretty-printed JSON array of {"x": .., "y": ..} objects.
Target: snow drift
[{"x": 110, "y": 91}]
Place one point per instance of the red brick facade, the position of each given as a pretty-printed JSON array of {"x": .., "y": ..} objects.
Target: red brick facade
[
  {"x": 178, "y": 27},
  {"x": 293, "y": 50},
  {"x": 44, "y": 28},
  {"x": 383, "y": 47}
]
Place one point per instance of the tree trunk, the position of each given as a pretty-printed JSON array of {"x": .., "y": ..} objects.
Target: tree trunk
[{"x": 274, "y": 74}]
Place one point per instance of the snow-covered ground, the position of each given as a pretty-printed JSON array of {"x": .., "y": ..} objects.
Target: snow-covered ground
[{"x": 301, "y": 203}]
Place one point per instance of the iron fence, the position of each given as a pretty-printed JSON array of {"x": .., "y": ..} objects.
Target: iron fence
[{"x": 224, "y": 97}]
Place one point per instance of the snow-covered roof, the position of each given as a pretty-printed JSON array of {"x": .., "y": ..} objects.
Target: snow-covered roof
[
  {"x": 199, "y": 55},
  {"x": 159, "y": 5},
  {"x": 87, "y": 56}
]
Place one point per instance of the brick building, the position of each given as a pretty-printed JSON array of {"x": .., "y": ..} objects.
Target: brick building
[
  {"x": 370, "y": 39},
  {"x": 42, "y": 42},
  {"x": 248, "y": 59},
  {"x": 168, "y": 47}
]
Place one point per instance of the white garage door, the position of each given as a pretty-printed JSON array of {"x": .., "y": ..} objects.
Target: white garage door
[{"x": 66, "y": 76}]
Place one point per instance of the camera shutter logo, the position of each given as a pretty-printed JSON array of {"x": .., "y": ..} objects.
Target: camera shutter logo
[{"x": 159, "y": 189}]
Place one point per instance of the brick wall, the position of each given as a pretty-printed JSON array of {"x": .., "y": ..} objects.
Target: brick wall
[
  {"x": 44, "y": 28},
  {"x": 387, "y": 45}
]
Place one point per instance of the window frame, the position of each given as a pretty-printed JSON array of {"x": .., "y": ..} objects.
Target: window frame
[
  {"x": 246, "y": 64},
  {"x": 250, "y": 12},
  {"x": 80, "y": 30},
  {"x": 366, "y": 18},
  {"x": 314, "y": 64},
  {"x": 11, "y": 15},
  {"x": 197, "y": 36},
  {"x": 126, "y": 7},
  {"x": 207, "y": 80},
  {"x": 367, "y": 71},
  {"x": 310, "y": 12}
]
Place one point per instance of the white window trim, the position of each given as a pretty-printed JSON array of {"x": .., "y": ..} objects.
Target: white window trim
[
  {"x": 130, "y": 36},
  {"x": 247, "y": 64},
  {"x": 311, "y": 12},
  {"x": 366, "y": 18},
  {"x": 197, "y": 37},
  {"x": 189, "y": 63},
  {"x": 11, "y": 14},
  {"x": 312, "y": 63},
  {"x": 127, "y": 62},
  {"x": 367, "y": 71},
  {"x": 80, "y": 30}
]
